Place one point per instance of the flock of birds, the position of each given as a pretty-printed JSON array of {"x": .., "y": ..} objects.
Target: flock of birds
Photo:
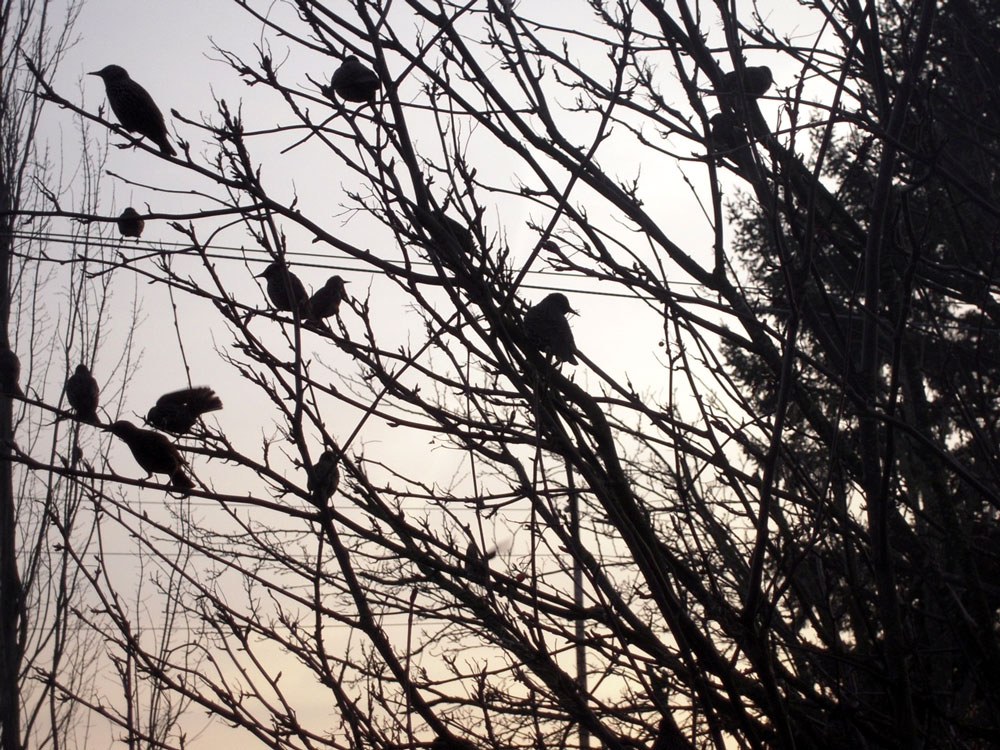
[
  {"x": 176, "y": 412},
  {"x": 727, "y": 126},
  {"x": 287, "y": 293},
  {"x": 545, "y": 325}
]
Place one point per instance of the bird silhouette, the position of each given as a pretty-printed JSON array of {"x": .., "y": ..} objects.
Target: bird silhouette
[
  {"x": 727, "y": 135},
  {"x": 83, "y": 394},
  {"x": 477, "y": 565},
  {"x": 669, "y": 736},
  {"x": 154, "y": 453},
  {"x": 451, "y": 743},
  {"x": 353, "y": 81},
  {"x": 285, "y": 290},
  {"x": 756, "y": 82},
  {"x": 324, "y": 478},
  {"x": 326, "y": 301},
  {"x": 129, "y": 223},
  {"x": 134, "y": 107},
  {"x": 451, "y": 239},
  {"x": 177, "y": 411},
  {"x": 547, "y": 329},
  {"x": 10, "y": 373}
]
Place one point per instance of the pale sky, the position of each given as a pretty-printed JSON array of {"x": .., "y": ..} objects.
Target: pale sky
[
  {"x": 174, "y": 60},
  {"x": 168, "y": 48}
]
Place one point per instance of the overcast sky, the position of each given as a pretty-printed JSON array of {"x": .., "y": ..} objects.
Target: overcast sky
[{"x": 167, "y": 46}]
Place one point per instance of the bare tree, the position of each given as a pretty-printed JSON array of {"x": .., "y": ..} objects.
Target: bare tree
[
  {"x": 54, "y": 313},
  {"x": 35, "y": 583},
  {"x": 745, "y": 535}
]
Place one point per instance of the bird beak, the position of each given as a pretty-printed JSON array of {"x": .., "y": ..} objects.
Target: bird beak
[
  {"x": 573, "y": 312},
  {"x": 259, "y": 275},
  {"x": 93, "y": 73}
]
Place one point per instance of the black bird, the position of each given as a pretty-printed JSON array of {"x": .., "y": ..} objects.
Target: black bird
[
  {"x": 324, "y": 477},
  {"x": 451, "y": 743},
  {"x": 477, "y": 565},
  {"x": 178, "y": 411},
  {"x": 353, "y": 81},
  {"x": 756, "y": 81},
  {"x": 326, "y": 301},
  {"x": 669, "y": 736},
  {"x": 285, "y": 289},
  {"x": 154, "y": 453},
  {"x": 547, "y": 329},
  {"x": 129, "y": 223},
  {"x": 10, "y": 373},
  {"x": 727, "y": 135},
  {"x": 83, "y": 394},
  {"x": 451, "y": 239},
  {"x": 134, "y": 107}
]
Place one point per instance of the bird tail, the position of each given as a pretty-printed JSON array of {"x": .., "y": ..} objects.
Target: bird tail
[
  {"x": 181, "y": 481},
  {"x": 204, "y": 400},
  {"x": 165, "y": 147}
]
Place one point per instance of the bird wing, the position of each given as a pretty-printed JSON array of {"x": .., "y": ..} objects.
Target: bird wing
[{"x": 199, "y": 398}]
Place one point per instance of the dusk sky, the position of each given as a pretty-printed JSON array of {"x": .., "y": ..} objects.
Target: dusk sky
[
  {"x": 171, "y": 48},
  {"x": 658, "y": 410}
]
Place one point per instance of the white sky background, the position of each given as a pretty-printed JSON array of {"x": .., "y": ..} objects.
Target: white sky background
[
  {"x": 172, "y": 57},
  {"x": 166, "y": 47}
]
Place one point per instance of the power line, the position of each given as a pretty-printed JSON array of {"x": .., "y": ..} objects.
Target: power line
[
  {"x": 358, "y": 267},
  {"x": 218, "y": 252}
]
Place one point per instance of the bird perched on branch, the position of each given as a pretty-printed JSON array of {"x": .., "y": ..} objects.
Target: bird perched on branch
[
  {"x": 669, "y": 735},
  {"x": 451, "y": 743},
  {"x": 10, "y": 373},
  {"x": 324, "y": 477},
  {"x": 727, "y": 135},
  {"x": 477, "y": 565},
  {"x": 451, "y": 239},
  {"x": 285, "y": 290},
  {"x": 154, "y": 453},
  {"x": 83, "y": 394},
  {"x": 547, "y": 329},
  {"x": 326, "y": 301},
  {"x": 129, "y": 223},
  {"x": 134, "y": 107},
  {"x": 353, "y": 81},
  {"x": 178, "y": 411},
  {"x": 756, "y": 82},
  {"x": 447, "y": 233}
]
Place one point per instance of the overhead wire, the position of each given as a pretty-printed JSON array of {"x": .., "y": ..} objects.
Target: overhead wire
[
  {"x": 309, "y": 260},
  {"x": 344, "y": 264}
]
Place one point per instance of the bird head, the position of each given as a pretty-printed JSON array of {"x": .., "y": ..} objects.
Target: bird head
[
  {"x": 722, "y": 120},
  {"x": 759, "y": 78},
  {"x": 82, "y": 370},
  {"x": 123, "y": 429},
  {"x": 129, "y": 213},
  {"x": 560, "y": 304},
  {"x": 272, "y": 271},
  {"x": 336, "y": 284},
  {"x": 111, "y": 73},
  {"x": 326, "y": 463}
]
